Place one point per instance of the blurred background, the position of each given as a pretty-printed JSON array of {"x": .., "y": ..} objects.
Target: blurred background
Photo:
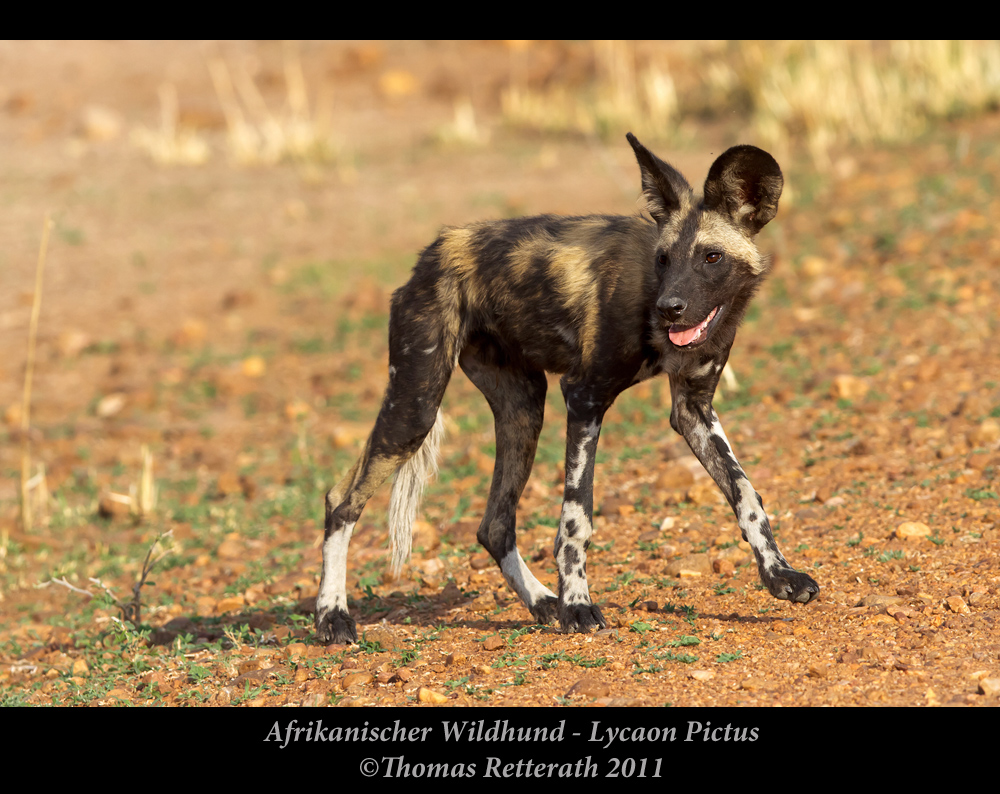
[{"x": 230, "y": 218}]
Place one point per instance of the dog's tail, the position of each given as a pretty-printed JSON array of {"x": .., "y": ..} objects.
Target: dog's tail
[{"x": 407, "y": 489}]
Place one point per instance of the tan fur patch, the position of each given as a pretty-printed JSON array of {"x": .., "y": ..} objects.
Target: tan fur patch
[
  {"x": 378, "y": 470},
  {"x": 717, "y": 231},
  {"x": 571, "y": 273},
  {"x": 459, "y": 279}
]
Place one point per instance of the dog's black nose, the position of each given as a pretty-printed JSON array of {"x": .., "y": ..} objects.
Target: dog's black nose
[{"x": 671, "y": 307}]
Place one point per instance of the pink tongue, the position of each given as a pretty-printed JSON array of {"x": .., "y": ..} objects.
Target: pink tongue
[
  {"x": 685, "y": 336},
  {"x": 681, "y": 338}
]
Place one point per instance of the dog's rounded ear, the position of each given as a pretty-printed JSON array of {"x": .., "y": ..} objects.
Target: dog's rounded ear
[
  {"x": 745, "y": 183},
  {"x": 662, "y": 184}
]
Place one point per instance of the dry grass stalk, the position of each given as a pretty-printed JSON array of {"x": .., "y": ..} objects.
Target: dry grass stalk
[
  {"x": 29, "y": 371},
  {"x": 171, "y": 144},
  {"x": 260, "y": 137},
  {"x": 827, "y": 93},
  {"x": 145, "y": 502},
  {"x": 620, "y": 97},
  {"x": 818, "y": 93},
  {"x": 131, "y": 611}
]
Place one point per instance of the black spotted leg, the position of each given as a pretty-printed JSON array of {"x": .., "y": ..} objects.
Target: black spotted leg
[
  {"x": 517, "y": 398},
  {"x": 576, "y": 524},
  {"x": 694, "y": 418}
]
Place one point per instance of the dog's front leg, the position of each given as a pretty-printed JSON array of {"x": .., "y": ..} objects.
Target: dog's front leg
[
  {"x": 693, "y": 417},
  {"x": 576, "y": 524}
]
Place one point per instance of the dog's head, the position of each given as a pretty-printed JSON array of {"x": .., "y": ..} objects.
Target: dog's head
[{"x": 705, "y": 258}]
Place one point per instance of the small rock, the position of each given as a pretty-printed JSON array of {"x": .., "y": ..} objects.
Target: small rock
[
  {"x": 989, "y": 686},
  {"x": 751, "y": 684},
  {"x": 80, "y": 668},
  {"x": 431, "y": 568},
  {"x": 849, "y": 387},
  {"x": 425, "y": 536},
  {"x": 483, "y": 603},
  {"x": 228, "y": 483},
  {"x": 978, "y": 461},
  {"x": 296, "y": 650},
  {"x": 229, "y": 604},
  {"x": 493, "y": 643},
  {"x": 589, "y": 687},
  {"x": 356, "y": 679},
  {"x": 385, "y": 638},
  {"x": 696, "y": 564},
  {"x": 912, "y": 530},
  {"x": 704, "y": 493},
  {"x": 425, "y": 695},
  {"x": 110, "y": 405},
  {"x": 987, "y": 433},
  {"x": 232, "y": 547},
  {"x": 957, "y": 604},
  {"x": 701, "y": 675},
  {"x": 872, "y": 653},
  {"x": 817, "y": 670},
  {"x": 451, "y": 593},
  {"x": 881, "y": 601},
  {"x": 675, "y": 477},
  {"x": 723, "y": 567}
]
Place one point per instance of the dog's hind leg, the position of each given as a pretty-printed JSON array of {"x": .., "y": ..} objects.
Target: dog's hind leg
[
  {"x": 517, "y": 398},
  {"x": 407, "y": 430}
]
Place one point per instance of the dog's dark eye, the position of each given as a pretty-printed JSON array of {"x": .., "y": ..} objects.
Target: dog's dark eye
[
  {"x": 662, "y": 260},
  {"x": 713, "y": 257}
]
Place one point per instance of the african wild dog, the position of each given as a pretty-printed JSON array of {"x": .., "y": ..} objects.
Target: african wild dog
[{"x": 608, "y": 301}]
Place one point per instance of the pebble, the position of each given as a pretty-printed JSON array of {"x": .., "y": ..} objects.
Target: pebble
[
  {"x": 957, "y": 604},
  {"x": 385, "y": 638},
  {"x": 912, "y": 530},
  {"x": 296, "y": 650},
  {"x": 849, "y": 387},
  {"x": 356, "y": 679},
  {"x": 483, "y": 603},
  {"x": 704, "y": 493},
  {"x": 589, "y": 687},
  {"x": 425, "y": 695},
  {"x": 690, "y": 564},
  {"x": 881, "y": 601}
]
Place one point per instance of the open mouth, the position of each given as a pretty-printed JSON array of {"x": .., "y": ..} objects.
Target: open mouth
[{"x": 688, "y": 336}]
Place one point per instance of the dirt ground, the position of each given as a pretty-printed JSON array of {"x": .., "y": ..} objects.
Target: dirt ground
[{"x": 230, "y": 319}]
